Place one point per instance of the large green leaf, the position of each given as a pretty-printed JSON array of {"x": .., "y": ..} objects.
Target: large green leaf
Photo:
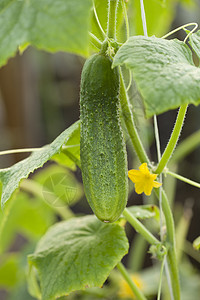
[
  {"x": 11, "y": 177},
  {"x": 77, "y": 254},
  {"x": 163, "y": 70},
  {"x": 60, "y": 25}
]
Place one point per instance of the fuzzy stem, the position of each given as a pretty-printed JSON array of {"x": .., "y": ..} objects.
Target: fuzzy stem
[
  {"x": 191, "y": 182},
  {"x": 173, "y": 139},
  {"x": 112, "y": 12},
  {"x": 139, "y": 227},
  {"x": 95, "y": 41},
  {"x": 137, "y": 293},
  {"x": 102, "y": 33},
  {"x": 171, "y": 256},
  {"x": 129, "y": 121},
  {"x": 13, "y": 151},
  {"x": 125, "y": 18}
]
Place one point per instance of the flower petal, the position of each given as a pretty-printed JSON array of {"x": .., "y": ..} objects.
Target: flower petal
[
  {"x": 156, "y": 184},
  {"x": 148, "y": 189},
  {"x": 144, "y": 169},
  {"x": 135, "y": 175},
  {"x": 139, "y": 187}
]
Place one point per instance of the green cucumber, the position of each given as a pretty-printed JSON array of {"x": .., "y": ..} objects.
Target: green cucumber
[{"x": 102, "y": 145}]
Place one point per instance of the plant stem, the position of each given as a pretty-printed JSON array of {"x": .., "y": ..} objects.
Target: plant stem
[
  {"x": 73, "y": 157},
  {"x": 189, "y": 250},
  {"x": 191, "y": 182},
  {"x": 35, "y": 188},
  {"x": 102, "y": 32},
  {"x": 125, "y": 18},
  {"x": 160, "y": 281},
  {"x": 171, "y": 256},
  {"x": 137, "y": 293},
  {"x": 143, "y": 18},
  {"x": 112, "y": 14},
  {"x": 173, "y": 139},
  {"x": 12, "y": 151},
  {"x": 95, "y": 41},
  {"x": 182, "y": 27},
  {"x": 129, "y": 121},
  {"x": 139, "y": 227}
]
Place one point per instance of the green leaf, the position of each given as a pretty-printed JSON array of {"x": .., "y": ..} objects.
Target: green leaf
[
  {"x": 163, "y": 70},
  {"x": 145, "y": 211},
  {"x": 12, "y": 176},
  {"x": 195, "y": 42},
  {"x": 77, "y": 254},
  {"x": 60, "y": 25},
  {"x": 196, "y": 243}
]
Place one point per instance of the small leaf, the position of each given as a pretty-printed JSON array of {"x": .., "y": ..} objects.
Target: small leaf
[
  {"x": 76, "y": 254},
  {"x": 163, "y": 70},
  {"x": 11, "y": 177},
  {"x": 145, "y": 211},
  {"x": 195, "y": 42},
  {"x": 196, "y": 243},
  {"x": 60, "y": 25}
]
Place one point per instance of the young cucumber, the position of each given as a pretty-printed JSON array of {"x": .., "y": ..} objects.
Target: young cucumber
[{"x": 102, "y": 146}]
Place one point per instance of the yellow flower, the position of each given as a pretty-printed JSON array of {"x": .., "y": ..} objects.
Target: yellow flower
[
  {"x": 144, "y": 180},
  {"x": 125, "y": 290}
]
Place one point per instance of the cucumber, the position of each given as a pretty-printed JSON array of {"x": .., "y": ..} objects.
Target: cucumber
[{"x": 102, "y": 145}]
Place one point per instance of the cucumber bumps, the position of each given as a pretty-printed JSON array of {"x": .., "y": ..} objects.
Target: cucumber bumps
[{"x": 102, "y": 146}]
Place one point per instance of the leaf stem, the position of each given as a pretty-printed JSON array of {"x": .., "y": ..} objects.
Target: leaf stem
[
  {"x": 189, "y": 250},
  {"x": 182, "y": 27},
  {"x": 103, "y": 34},
  {"x": 73, "y": 157},
  {"x": 95, "y": 41},
  {"x": 12, "y": 151},
  {"x": 191, "y": 182},
  {"x": 137, "y": 293},
  {"x": 125, "y": 18},
  {"x": 129, "y": 121},
  {"x": 161, "y": 275},
  {"x": 156, "y": 130},
  {"x": 173, "y": 139},
  {"x": 139, "y": 227},
  {"x": 144, "y": 23},
  {"x": 112, "y": 14},
  {"x": 171, "y": 256}
]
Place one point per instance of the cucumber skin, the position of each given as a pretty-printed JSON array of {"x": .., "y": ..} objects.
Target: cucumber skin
[{"x": 102, "y": 145}]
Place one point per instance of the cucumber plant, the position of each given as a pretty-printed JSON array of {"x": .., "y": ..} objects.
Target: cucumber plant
[{"x": 78, "y": 254}]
